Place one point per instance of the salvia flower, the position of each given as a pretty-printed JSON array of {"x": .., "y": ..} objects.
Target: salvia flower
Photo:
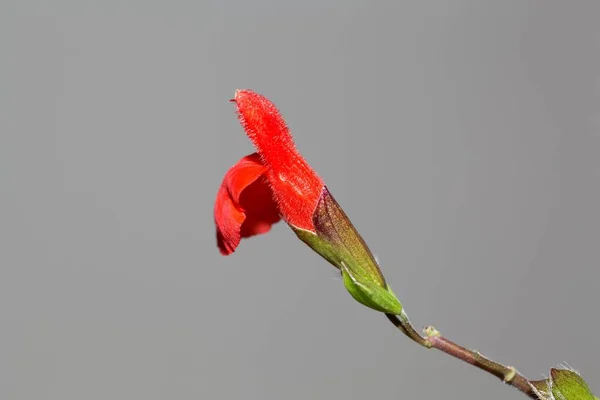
[{"x": 276, "y": 183}]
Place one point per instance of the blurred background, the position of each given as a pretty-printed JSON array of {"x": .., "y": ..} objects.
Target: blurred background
[{"x": 462, "y": 139}]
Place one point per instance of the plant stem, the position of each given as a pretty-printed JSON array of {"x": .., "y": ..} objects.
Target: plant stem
[{"x": 433, "y": 339}]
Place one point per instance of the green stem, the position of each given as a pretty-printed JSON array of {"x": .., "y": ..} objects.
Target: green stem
[{"x": 433, "y": 339}]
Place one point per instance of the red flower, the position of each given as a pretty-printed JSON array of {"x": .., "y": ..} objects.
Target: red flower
[{"x": 276, "y": 181}]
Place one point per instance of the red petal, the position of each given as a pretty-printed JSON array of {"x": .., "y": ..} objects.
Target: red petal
[
  {"x": 244, "y": 205},
  {"x": 296, "y": 186}
]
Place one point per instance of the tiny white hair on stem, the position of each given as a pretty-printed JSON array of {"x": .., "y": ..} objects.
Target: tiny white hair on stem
[{"x": 545, "y": 395}]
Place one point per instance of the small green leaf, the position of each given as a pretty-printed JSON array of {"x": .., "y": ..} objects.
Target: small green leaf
[{"x": 568, "y": 385}]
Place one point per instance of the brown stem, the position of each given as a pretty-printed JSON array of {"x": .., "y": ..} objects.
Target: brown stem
[{"x": 433, "y": 339}]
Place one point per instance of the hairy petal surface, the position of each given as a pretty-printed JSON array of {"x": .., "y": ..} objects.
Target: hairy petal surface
[{"x": 296, "y": 186}]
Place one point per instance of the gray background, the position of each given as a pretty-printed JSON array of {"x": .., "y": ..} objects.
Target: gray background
[{"x": 461, "y": 138}]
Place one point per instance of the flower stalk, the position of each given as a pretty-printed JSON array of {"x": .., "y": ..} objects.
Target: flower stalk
[{"x": 434, "y": 339}]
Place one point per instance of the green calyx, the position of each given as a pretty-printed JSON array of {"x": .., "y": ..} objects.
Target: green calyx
[
  {"x": 369, "y": 294},
  {"x": 338, "y": 242}
]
